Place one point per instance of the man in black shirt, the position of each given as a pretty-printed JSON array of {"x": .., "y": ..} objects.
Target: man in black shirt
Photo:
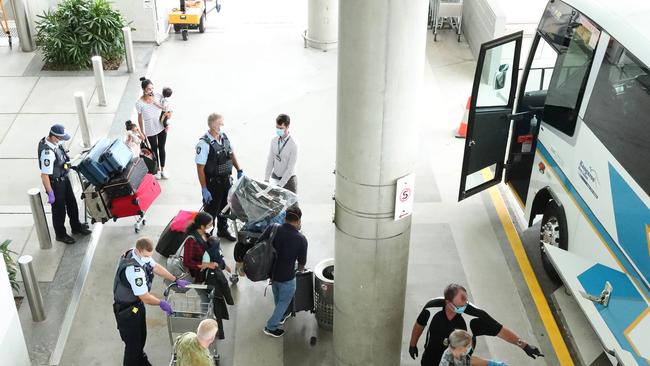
[
  {"x": 290, "y": 246},
  {"x": 454, "y": 304}
]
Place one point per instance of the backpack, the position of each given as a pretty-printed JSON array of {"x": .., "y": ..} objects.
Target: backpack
[{"x": 260, "y": 259}]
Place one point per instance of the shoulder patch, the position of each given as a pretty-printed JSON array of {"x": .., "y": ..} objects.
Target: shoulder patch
[
  {"x": 136, "y": 269},
  {"x": 46, "y": 151},
  {"x": 46, "y": 162},
  {"x": 198, "y": 150},
  {"x": 138, "y": 282}
]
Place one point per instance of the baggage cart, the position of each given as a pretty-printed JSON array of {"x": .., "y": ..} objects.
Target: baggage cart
[
  {"x": 448, "y": 12},
  {"x": 190, "y": 306},
  {"x": 190, "y": 14}
]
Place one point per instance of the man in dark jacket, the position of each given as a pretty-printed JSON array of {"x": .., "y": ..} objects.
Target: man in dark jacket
[{"x": 291, "y": 247}]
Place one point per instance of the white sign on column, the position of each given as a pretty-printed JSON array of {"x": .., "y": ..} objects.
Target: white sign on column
[
  {"x": 148, "y": 4},
  {"x": 404, "y": 196}
]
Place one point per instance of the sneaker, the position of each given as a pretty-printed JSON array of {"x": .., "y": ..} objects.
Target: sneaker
[
  {"x": 277, "y": 333},
  {"x": 285, "y": 319},
  {"x": 158, "y": 176},
  {"x": 164, "y": 175},
  {"x": 66, "y": 239},
  {"x": 234, "y": 278}
]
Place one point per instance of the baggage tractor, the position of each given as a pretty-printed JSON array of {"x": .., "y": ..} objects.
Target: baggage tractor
[
  {"x": 116, "y": 157},
  {"x": 96, "y": 203},
  {"x": 303, "y": 300},
  {"x": 90, "y": 166},
  {"x": 169, "y": 241},
  {"x": 139, "y": 202},
  {"x": 127, "y": 182}
]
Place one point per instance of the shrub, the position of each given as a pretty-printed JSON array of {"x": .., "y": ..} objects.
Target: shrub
[
  {"x": 77, "y": 30},
  {"x": 11, "y": 265}
]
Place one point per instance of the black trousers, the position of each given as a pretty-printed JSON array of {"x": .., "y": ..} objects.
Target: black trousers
[
  {"x": 157, "y": 143},
  {"x": 218, "y": 187},
  {"x": 133, "y": 331},
  {"x": 64, "y": 202}
]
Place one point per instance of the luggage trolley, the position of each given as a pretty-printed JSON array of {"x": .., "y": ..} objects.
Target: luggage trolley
[
  {"x": 191, "y": 305},
  {"x": 446, "y": 11}
]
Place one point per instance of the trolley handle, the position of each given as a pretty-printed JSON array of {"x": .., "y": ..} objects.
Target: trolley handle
[{"x": 190, "y": 286}]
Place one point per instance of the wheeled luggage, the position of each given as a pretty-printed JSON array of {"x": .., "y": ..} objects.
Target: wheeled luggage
[
  {"x": 127, "y": 182},
  {"x": 91, "y": 167},
  {"x": 139, "y": 202},
  {"x": 169, "y": 241},
  {"x": 303, "y": 300},
  {"x": 150, "y": 159},
  {"x": 96, "y": 203},
  {"x": 116, "y": 157}
]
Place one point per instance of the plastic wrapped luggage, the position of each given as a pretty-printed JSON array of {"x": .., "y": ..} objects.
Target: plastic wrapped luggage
[
  {"x": 127, "y": 182},
  {"x": 251, "y": 200},
  {"x": 116, "y": 157},
  {"x": 96, "y": 203},
  {"x": 139, "y": 202},
  {"x": 91, "y": 167},
  {"x": 303, "y": 300}
]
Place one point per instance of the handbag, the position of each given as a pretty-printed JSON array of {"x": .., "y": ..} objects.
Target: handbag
[{"x": 175, "y": 264}]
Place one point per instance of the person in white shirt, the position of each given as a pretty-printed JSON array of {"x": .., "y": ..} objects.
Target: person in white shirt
[{"x": 283, "y": 154}]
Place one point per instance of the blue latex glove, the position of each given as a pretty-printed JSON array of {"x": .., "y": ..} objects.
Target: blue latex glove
[
  {"x": 240, "y": 173},
  {"x": 207, "y": 196},
  {"x": 164, "y": 305},
  {"x": 50, "y": 197},
  {"x": 182, "y": 283},
  {"x": 496, "y": 363}
]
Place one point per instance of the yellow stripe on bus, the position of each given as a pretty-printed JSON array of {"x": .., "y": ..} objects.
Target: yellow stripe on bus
[{"x": 539, "y": 299}]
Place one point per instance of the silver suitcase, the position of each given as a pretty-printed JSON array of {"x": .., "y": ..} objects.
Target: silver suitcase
[{"x": 97, "y": 205}]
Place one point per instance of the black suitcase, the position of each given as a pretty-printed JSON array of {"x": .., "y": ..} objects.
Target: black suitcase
[
  {"x": 127, "y": 182},
  {"x": 303, "y": 300},
  {"x": 169, "y": 241}
]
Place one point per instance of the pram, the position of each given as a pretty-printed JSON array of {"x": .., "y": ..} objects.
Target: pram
[{"x": 191, "y": 305}]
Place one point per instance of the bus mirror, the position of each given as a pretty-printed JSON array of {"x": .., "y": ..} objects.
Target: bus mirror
[{"x": 500, "y": 77}]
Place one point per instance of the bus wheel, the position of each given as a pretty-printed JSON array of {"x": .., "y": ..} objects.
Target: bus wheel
[{"x": 552, "y": 233}]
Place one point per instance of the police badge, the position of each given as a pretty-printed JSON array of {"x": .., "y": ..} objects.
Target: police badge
[
  {"x": 46, "y": 162},
  {"x": 138, "y": 282},
  {"x": 198, "y": 150}
]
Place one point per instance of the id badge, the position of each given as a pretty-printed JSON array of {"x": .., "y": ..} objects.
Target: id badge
[{"x": 278, "y": 158}]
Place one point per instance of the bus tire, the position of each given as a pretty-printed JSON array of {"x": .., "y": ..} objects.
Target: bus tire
[{"x": 553, "y": 231}]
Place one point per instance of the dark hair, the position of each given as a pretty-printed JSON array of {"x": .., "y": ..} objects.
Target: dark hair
[
  {"x": 202, "y": 219},
  {"x": 294, "y": 214},
  {"x": 167, "y": 92},
  {"x": 129, "y": 125},
  {"x": 283, "y": 119},
  {"x": 452, "y": 290},
  {"x": 144, "y": 82}
]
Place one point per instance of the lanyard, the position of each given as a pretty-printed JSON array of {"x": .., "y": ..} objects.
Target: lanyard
[{"x": 283, "y": 145}]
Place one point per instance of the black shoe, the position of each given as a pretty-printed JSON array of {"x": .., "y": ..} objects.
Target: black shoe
[
  {"x": 83, "y": 231},
  {"x": 226, "y": 235},
  {"x": 287, "y": 316},
  {"x": 277, "y": 333},
  {"x": 66, "y": 239}
]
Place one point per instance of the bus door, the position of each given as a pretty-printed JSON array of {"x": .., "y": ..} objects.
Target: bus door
[{"x": 491, "y": 105}]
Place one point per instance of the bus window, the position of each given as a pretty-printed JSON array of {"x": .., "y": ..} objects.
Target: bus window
[
  {"x": 575, "y": 54},
  {"x": 618, "y": 111},
  {"x": 539, "y": 76}
]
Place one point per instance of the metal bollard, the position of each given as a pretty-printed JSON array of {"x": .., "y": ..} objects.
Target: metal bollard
[
  {"x": 128, "y": 46},
  {"x": 31, "y": 288},
  {"x": 98, "y": 69},
  {"x": 40, "y": 222},
  {"x": 82, "y": 113},
  {"x": 24, "y": 24}
]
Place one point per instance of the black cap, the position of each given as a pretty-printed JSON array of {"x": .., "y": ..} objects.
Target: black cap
[{"x": 59, "y": 131}]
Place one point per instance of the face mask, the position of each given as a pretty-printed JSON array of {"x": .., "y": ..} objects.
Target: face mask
[
  {"x": 460, "y": 309},
  {"x": 208, "y": 229},
  {"x": 280, "y": 132},
  {"x": 469, "y": 350},
  {"x": 220, "y": 132}
]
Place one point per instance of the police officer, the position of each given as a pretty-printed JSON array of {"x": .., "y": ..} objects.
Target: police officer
[
  {"x": 215, "y": 159},
  {"x": 53, "y": 162},
  {"x": 131, "y": 290},
  {"x": 454, "y": 304}
]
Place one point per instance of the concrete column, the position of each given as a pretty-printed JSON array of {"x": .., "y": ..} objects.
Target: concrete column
[{"x": 380, "y": 71}]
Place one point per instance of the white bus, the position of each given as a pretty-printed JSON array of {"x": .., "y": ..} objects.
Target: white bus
[{"x": 572, "y": 141}]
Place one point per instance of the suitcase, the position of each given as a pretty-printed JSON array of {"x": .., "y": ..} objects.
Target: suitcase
[
  {"x": 139, "y": 202},
  {"x": 116, "y": 157},
  {"x": 127, "y": 182},
  {"x": 149, "y": 159},
  {"x": 303, "y": 299},
  {"x": 90, "y": 166},
  {"x": 96, "y": 203},
  {"x": 169, "y": 241}
]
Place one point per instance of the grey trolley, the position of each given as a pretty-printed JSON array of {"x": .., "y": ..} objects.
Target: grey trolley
[{"x": 446, "y": 12}]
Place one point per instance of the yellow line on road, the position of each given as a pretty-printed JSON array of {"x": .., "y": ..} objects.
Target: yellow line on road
[{"x": 541, "y": 304}]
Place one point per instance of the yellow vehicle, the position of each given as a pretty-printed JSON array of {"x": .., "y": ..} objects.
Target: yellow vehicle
[{"x": 190, "y": 15}]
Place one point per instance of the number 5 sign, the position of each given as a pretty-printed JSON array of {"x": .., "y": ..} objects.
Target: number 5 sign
[{"x": 404, "y": 196}]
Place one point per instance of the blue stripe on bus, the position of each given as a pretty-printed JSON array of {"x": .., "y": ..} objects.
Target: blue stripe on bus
[{"x": 582, "y": 205}]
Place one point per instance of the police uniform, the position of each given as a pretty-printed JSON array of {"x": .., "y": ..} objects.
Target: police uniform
[
  {"x": 53, "y": 161},
  {"x": 215, "y": 156},
  {"x": 441, "y": 327},
  {"x": 133, "y": 278}
]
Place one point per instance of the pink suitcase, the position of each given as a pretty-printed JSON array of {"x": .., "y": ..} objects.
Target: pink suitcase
[{"x": 139, "y": 202}]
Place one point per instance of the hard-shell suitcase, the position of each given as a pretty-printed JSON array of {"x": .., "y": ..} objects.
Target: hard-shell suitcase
[
  {"x": 303, "y": 299},
  {"x": 116, "y": 157},
  {"x": 139, "y": 202},
  {"x": 169, "y": 241},
  {"x": 96, "y": 203},
  {"x": 127, "y": 182},
  {"x": 91, "y": 167}
]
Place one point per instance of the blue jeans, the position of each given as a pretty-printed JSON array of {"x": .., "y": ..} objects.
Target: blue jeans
[{"x": 282, "y": 295}]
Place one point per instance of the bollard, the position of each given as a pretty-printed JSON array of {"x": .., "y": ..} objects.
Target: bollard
[
  {"x": 128, "y": 46},
  {"x": 98, "y": 69},
  {"x": 24, "y": 24},
  {"x": 40, "y": 222},
  {"x": 31, "y": 288},
  {"x": 82, "y": 113}
]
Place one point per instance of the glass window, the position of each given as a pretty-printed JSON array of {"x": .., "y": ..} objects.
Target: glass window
[
  {"x": 496, "y": 76},
  {"x": 618, "y": 111},
  {"x": 539, "y": 76}
]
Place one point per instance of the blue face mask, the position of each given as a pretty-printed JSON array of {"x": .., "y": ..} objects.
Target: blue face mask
[
  {"x": 220, "y": 132},
  {"x": 469, "y": 350},
  {"x": 280, "y": 132},
  {"x": 460, "y": 309}
]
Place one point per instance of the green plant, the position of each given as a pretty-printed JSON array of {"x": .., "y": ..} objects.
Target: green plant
[
  {"x": 11, "y": 265},
  {"x": 79, "y": 29}
]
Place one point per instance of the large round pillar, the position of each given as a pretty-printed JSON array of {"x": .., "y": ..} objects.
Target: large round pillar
[{"x": 380, "y": 70}]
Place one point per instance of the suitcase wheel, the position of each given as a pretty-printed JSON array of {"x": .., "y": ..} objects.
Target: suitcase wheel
[
  {"x": 312, "y": 341},
  {"x": 93, "y": 221},
  {"x": 83, "y": 196},
  {"x": 135, "y": 202},
  {"x": 114, "y": 219},
  {"x": 104, "y": 221},
  {"x": 141, "y": 213}
]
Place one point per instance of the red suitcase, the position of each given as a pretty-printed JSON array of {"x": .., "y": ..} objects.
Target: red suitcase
[{"x": 138, "y": 203}]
